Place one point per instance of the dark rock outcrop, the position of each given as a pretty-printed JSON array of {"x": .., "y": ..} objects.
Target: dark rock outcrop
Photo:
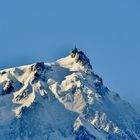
[
  {"x": 98, "y": 82},
  {"x": 3, "y": 72},
  {"x": 38, "y": 70},
  {"x": 39, "y": 66},
  {"x": 8, "y": 88},
  {"x": 80, "y": 57}
]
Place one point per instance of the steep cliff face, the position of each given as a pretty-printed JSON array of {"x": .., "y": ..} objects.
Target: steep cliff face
[{"x": 63, "y": 100}]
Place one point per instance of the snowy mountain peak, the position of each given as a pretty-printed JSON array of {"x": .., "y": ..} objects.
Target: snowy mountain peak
[{"x": 63, "y": 100}]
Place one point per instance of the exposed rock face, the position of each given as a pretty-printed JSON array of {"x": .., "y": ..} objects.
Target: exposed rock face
[
  {"x": 80, "y": 57},
  {"x": 3, "y": 72},
  {"x": 8, "y": 87},
  {"x": 38, "y": 69},
  {"x": 39, "y": 66}
]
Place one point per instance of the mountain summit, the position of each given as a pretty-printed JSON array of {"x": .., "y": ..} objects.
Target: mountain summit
[{"x": 63, "y": 100}]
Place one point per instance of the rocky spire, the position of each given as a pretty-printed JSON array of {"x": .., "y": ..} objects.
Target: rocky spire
[{"x": 80, "y": 57}]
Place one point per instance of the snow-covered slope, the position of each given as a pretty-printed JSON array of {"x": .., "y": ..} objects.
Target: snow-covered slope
[{"x": 63, "y": 100}]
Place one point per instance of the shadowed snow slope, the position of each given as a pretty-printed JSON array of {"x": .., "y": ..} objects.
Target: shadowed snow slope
[{"x": 63, "y": 100}]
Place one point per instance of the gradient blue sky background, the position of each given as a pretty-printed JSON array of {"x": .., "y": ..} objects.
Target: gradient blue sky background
[{"x": 108, "y": 31}]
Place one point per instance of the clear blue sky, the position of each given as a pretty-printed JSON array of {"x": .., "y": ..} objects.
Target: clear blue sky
[{"x": 108, "y": 31}]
